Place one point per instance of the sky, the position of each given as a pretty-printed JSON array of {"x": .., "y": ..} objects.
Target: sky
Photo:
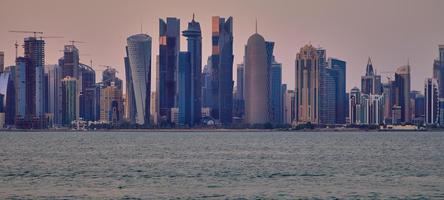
[{"x": 391, "y": 32}]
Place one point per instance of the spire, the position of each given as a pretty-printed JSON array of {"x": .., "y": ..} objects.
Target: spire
[
  {"x": 256, "y": 24},
  {"x": 141, "y": 30},
  {"x": 369, "y": 70},
  {"x": 193, "y": 17}
]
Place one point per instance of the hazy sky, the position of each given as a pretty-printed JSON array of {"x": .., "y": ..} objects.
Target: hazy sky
[{"x": 390, "y": 31}]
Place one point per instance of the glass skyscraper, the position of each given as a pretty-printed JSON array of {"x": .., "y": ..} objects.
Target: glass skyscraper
[
  {"x": 169, "y": 47},
  {"x": 139, "y": 57},
  {"x": 222, "y": 69},
  {"x": 194, "y": 41}
]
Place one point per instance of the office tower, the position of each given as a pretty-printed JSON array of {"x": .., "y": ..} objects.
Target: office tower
[
  {"x": 184, "y": 81},
  {"x": 419, "y": 109},
  {"x": 2, "y": 61},
  {"x": 438, "y": 70},
  {"x": 69, "y": 100},
  {"x": 371, "y": 82},
  {"x": 111, "y": 104},
  {"x": 431, "y": 101},
  {"x": 55, "y": 92},
  {"x": 139, "y": 56},
  {"x": 169, "y": 47},
  {"x": 7, "y": 91},
  {"x": 87, "y": 80},
  {"x": 35, "y": 52},
  {"x": 307, "y": 85},
  {"x": 337, "y": 69},
  {"x": 130, "y": 106},
  {"x": 207, "y": 98},
  {"x": 20, "y": 82},
  {"x": 222, "y": 69},
  {"x": 327, "y": 90},
  {"x": 276, "y": 109},
  {"x": 239, "y": 98},
  {"x": 289, "y": 107},
  {"x": 194, "y": 45},
  {"x": 355, "y": 101},
  {"x": 256, "y": 81},
  {"x": 402, "y": 92}
]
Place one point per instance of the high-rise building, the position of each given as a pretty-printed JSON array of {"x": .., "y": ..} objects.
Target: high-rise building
[
  {"x": 111, "y": 104},
  {"x": 276, "y": 107},
  {"x": 7, "y": 91},
  {"x": 327, "y": 90},
  {"x": 256, "y": 81},
  {"x": 87, "y": 80},
  {"x": 69, "y": 100},
  {"x": 371, "y": 82},
  {"x": 438, "y": 70},
  {"x": 153, "y": 108},
  {"x": 222, "y": 69},
  {"x": 169, "y": 47},
  {"x": 289, "y": 107},
  {"x": 307, "y": 85},
  {"x": 337, "y": 69},
  {"x": 55, "y": 92},
  {"x": 139, "y": 57},
  {"x": 109, "y": 76},
  {"x": 431, "y": 101},
  {"x": 402, "y": 92},
  {"x": 239, "y": 99},
  {"x": 130, "y": 106},
  {"x": 354, "y": 108},
  {"x": 207, "y": 98},
  {"x": 184, "y": 87},
  {"x": 194, "y": 49},
  {"x": 70, "y": 62}
]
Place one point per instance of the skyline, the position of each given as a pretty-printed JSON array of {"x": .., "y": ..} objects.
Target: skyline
[{"x": 389, "y": 32}]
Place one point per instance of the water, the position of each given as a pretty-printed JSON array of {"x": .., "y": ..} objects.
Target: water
[{"x": 221, "y": 165}]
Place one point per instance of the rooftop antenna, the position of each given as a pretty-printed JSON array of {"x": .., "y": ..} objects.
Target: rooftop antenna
[{"x": 256, "y": 25}]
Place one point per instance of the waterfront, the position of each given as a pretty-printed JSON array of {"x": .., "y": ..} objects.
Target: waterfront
[{"x": 227, "y": 165}]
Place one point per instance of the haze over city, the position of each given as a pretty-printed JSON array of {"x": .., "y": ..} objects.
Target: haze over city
[{"x": 390, "y": 32}]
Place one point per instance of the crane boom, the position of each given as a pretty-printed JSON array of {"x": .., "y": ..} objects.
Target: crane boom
[{"x": 32, "y": 32}]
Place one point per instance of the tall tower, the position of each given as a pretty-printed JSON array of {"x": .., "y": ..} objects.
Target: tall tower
[
  {"x": 169, "y": 47},
  {"x": 256, "y": 81},
  {"x": 194, "y": 40},
  {"x": 431, "y": 101},
  {"x": 139, "y": 60},
  {"x": 222, "y": 69},
  {"x": 402, "y": 84},
  {"x": 35, "y": 52},
  {"x": 307, "y": 85}
]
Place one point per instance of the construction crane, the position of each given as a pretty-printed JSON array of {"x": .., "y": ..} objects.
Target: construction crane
[{"x": 28, "y": 32}]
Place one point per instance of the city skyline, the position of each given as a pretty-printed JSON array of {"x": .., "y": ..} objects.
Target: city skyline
[{"x": 389, "y": 32}]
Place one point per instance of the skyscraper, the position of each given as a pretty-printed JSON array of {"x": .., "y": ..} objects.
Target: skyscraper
[
  {"x": 130, "y": 106},
  {"x": 438, "y": 70},
  {"x": 35, "y": 52},
  {"x": 431, "y": 101},
  {"x": 169, "y": 47},
  {"x": 256, "y": 81},
  {"x": 69, "y": 102},
  {"x": 55, "y": 92},
  {"x": 354, "y": 108},
  {"x": 139, "y": 57},
  {"x": 222, "y": 69},
  {"x": 338, "y": 71},
  {"x": 307, "y": 85},
  {"x": 87, "y": 80},
  {"x": 239, "y": 102},
  {"x": 184, "y": 89},
  {"x": 289, "y": 109},
  {"x": 207, "y": 97},
  {"x": 194, "y": 41},
  {"x": 402, "y": 84},
  {"x": 111, "y": 104},
  {"x": 7, "y": 91},
  {"x": 276, "y": 107},
  {"x": 371, "y": 82}
]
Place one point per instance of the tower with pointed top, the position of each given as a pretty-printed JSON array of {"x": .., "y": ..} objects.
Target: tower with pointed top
[{"x": 371, "y": 82}]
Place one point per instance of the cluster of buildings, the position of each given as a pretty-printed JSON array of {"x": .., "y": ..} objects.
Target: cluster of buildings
[{"x": 35, "y": 95}]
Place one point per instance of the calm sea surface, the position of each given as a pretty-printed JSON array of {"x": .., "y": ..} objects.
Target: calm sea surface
[{"x": 221, "y": 165}]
